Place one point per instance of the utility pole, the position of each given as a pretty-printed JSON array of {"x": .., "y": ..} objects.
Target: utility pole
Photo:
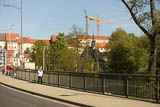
[
  {"x": 43, "y": 58},
  {"x": 5, "y": 58},
  {"x": 86, "y": 21},
  {"x": 21, "y": 46},
  {"x": 86, "y": 37},
  {"x": 21, "y": 29}
]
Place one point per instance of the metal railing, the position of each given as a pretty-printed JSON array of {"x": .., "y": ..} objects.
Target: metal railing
[{"x": 137, "y": 86}]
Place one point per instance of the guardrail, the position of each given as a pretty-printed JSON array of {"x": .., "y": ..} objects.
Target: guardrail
[{"x": 127, "y": 85}]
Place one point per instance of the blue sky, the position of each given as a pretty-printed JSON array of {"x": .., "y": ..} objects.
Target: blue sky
[{"x": 41, "y": 18}]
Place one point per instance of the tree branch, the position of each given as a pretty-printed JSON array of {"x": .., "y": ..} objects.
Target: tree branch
[
  {"x": 133, "y": 5},
  {"x": 136, "y": 21},
  {"x": 153, "y": 12}
]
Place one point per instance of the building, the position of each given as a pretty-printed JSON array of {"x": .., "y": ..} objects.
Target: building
[
  {"x": 2, "y": 41},
  {"x": 11, "y": 45},
  {"x": 26, "y": 45},
  {"x": 2, "y": 58},
  {"x": 2, "y": 49},
  {"x": 100, "y": 42}
]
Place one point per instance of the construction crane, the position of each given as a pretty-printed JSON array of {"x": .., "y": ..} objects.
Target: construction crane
[
  {"x": 98, "y": 22},
  {"x": 86, "y": 16},
  {"x": 9, "y": 32}
]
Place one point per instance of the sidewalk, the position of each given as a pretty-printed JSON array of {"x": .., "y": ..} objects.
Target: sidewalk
[{"x": 75, "y": 96}]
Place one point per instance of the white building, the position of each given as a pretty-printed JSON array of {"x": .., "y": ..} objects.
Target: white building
[
  {"x": 2, "y": 41},
  {"x": 100, "y": 42}
]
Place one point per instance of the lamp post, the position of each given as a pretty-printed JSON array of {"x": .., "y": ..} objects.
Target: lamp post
[{"x": 20, "y": 8}]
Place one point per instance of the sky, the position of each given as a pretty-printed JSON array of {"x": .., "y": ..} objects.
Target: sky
[{"x": 42, "y": 18}]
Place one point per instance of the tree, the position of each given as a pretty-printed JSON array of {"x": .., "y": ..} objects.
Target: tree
[
  {"x": 61, "y": 42},
  {"x": 37, "y": 53},
  {"x": 149, "y": 22},
  {"x": 128, "y": 53},
  {"x": 63, "y": 58},
  {"x": 67, "y": 60},
  {"x": 27, "y": 51},
  {"x": 87, "y": 62},
  {"x": 76, "y": 31},
  {"x": 121, "y": 53}
]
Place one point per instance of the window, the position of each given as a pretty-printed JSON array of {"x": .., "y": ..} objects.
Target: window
[{"x": 1, "y": 57}]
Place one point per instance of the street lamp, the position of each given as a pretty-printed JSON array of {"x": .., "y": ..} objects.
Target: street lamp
[{"x": 20, "y": 8}]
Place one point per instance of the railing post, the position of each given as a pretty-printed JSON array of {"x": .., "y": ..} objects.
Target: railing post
[
  {"x": 157, "y": 95},
  {"x": 21, "y": 74},
  {"x": 58, "y": 79},
  {"x": 70, "y": 80},
  {"x": 126, "y": 86},
  {"x": 16, "y": 72},
  {"x": 29, "y": 76},
  {"x": 48, "y": 77},
  {"x": 103, "y": 84},
  {"x": 34, "y": 75},
  {"x": 84, "y": 79},
  {"x": 25, "y": 74}
]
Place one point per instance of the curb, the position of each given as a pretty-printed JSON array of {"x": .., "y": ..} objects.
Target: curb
[{"x": 49, "y": 97}]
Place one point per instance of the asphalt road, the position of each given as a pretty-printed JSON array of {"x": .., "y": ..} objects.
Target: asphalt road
[{"x": 12, "y": 98}]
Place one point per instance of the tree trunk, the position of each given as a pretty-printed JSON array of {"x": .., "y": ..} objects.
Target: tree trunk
[{"x": 153, "y": 55}]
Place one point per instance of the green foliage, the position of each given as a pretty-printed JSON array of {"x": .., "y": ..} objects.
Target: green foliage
[
  {"x": 74, "y": 42},
  {"x": 138, "y": 5},
  {"x": 37, "y": 53},
  {"x": 146, "y": 14},
  {"x": 127, "y": 52},
  {"x": 141, "y": 53},
  {"x": 141, "y": 9},
  {"x": 61, "y": 42},
  {"x": 27, "y": 51},
  {"x": 65, "y": 60},
  {"x": 90, "y": 60},
  {"x": 87, "y": 59},
  {"x": 75, "y": 33}
]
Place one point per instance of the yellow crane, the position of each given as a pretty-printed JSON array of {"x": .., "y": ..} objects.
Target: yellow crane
[
  {"x": 9, "y": 33},
  {"x": 100, "y": 21}
]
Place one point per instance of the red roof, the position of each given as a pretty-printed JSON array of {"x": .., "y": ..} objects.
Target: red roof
[
  {"x": 100, "y": 45},
  {"x": 12, "y": 37},
  {"x": 46, "y": 41},
  {"x": 95, "y": 37},
  {"x": 27, "y": 55},
  {"x": 53, "y": 38},
  {"x": 26, "y": 40},
  {"x": 9, "y": 52}
]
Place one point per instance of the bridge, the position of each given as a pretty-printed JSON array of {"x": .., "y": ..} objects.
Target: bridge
[{"x": 58, "y": 90}]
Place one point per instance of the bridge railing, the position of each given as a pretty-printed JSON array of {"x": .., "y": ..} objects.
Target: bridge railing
[{"x": 126, "y": 85}]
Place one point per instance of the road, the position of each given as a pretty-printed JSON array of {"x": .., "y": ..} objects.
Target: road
[{"x": 12, "y": 98}]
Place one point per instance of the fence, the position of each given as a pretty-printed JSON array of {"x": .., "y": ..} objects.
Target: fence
[{"x": 137, "y": 86}]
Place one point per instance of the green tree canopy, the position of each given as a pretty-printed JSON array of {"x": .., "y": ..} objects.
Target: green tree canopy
[
  {"x": 37, "y": 53},
  {"x": 146, "y": 15},
  {"x": 60, "y": 42},
  {"x": 63, "y": 58},
  {"x": 127, "y": 52}
]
